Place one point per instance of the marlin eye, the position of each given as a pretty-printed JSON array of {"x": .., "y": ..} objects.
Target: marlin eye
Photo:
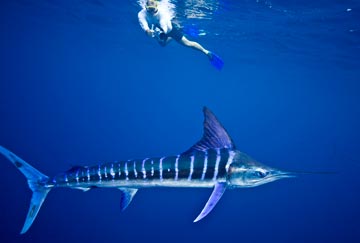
[{"x": 261, "y": 174}]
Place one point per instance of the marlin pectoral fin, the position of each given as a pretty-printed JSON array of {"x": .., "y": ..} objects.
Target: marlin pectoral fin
[
  {"x": 214, "y": 135},
  {"x": 127, "y": 194},
  {"x": 218, "y": 191},
  {"x": 84, "y": 189}
]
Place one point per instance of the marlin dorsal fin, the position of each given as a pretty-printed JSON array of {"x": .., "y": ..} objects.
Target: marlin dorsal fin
[{"x": 214, "y": 136}]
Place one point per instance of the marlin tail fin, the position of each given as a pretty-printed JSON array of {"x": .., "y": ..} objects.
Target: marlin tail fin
[{"x": 37, "y": 183}]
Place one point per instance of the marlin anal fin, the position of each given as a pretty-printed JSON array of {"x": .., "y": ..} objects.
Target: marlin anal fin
[
  {"x": 127, "y": 194},
  {"x": 214, "y": 136},
  {"x": 218, "y": 191}
]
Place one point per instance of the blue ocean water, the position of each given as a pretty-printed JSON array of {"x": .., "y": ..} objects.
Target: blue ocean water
[{"x": 80, "y": 83}]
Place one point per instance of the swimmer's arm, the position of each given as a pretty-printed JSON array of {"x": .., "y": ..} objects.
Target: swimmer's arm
[{"x": 144, "y": 24}]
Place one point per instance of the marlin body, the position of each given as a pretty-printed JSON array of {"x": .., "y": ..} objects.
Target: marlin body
[{"x": 213, "y": 162}]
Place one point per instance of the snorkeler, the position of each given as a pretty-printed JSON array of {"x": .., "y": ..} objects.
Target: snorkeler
[{"x": 156, "y": 22}]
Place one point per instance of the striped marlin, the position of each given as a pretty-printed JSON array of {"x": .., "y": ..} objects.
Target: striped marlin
[{"x": 213, "y": 162}]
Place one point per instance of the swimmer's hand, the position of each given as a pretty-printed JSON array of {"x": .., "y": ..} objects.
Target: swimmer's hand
[{"x": 150, "y": 33}]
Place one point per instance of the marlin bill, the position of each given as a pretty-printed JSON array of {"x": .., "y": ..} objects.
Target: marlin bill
[{"x": 213, "y": 162}]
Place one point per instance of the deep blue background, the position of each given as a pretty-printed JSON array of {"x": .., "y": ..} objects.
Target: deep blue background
[{"x": 80, "y": 84}]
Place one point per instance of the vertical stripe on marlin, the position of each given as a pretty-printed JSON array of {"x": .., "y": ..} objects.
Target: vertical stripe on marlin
[
  {"x": 161, "y": 169},
  {"x": 177, "y": 168},
  {"x": 77, "y": 176},
  {"x": 205, "y": 166},
  {"x": 112, "y": 173},
  {"x": 143, "y": 170},
  {"x": 88, "y": 174},
  {"x": 105, "y": 172},
  {"x": 126, "y": 171},
  {"x": 119, "y": 169},
  {"x": 99, "y": 173},
  {"x": 191, "y": 167},
  {"x": 216, "y": 169},
  {"x": 135, "y": 172},
  {"x": 230, "y": 160},
  {"x": 152, "y": 168}
]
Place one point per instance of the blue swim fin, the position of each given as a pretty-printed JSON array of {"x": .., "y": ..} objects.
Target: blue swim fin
[{"x": 216, "y": 61}]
